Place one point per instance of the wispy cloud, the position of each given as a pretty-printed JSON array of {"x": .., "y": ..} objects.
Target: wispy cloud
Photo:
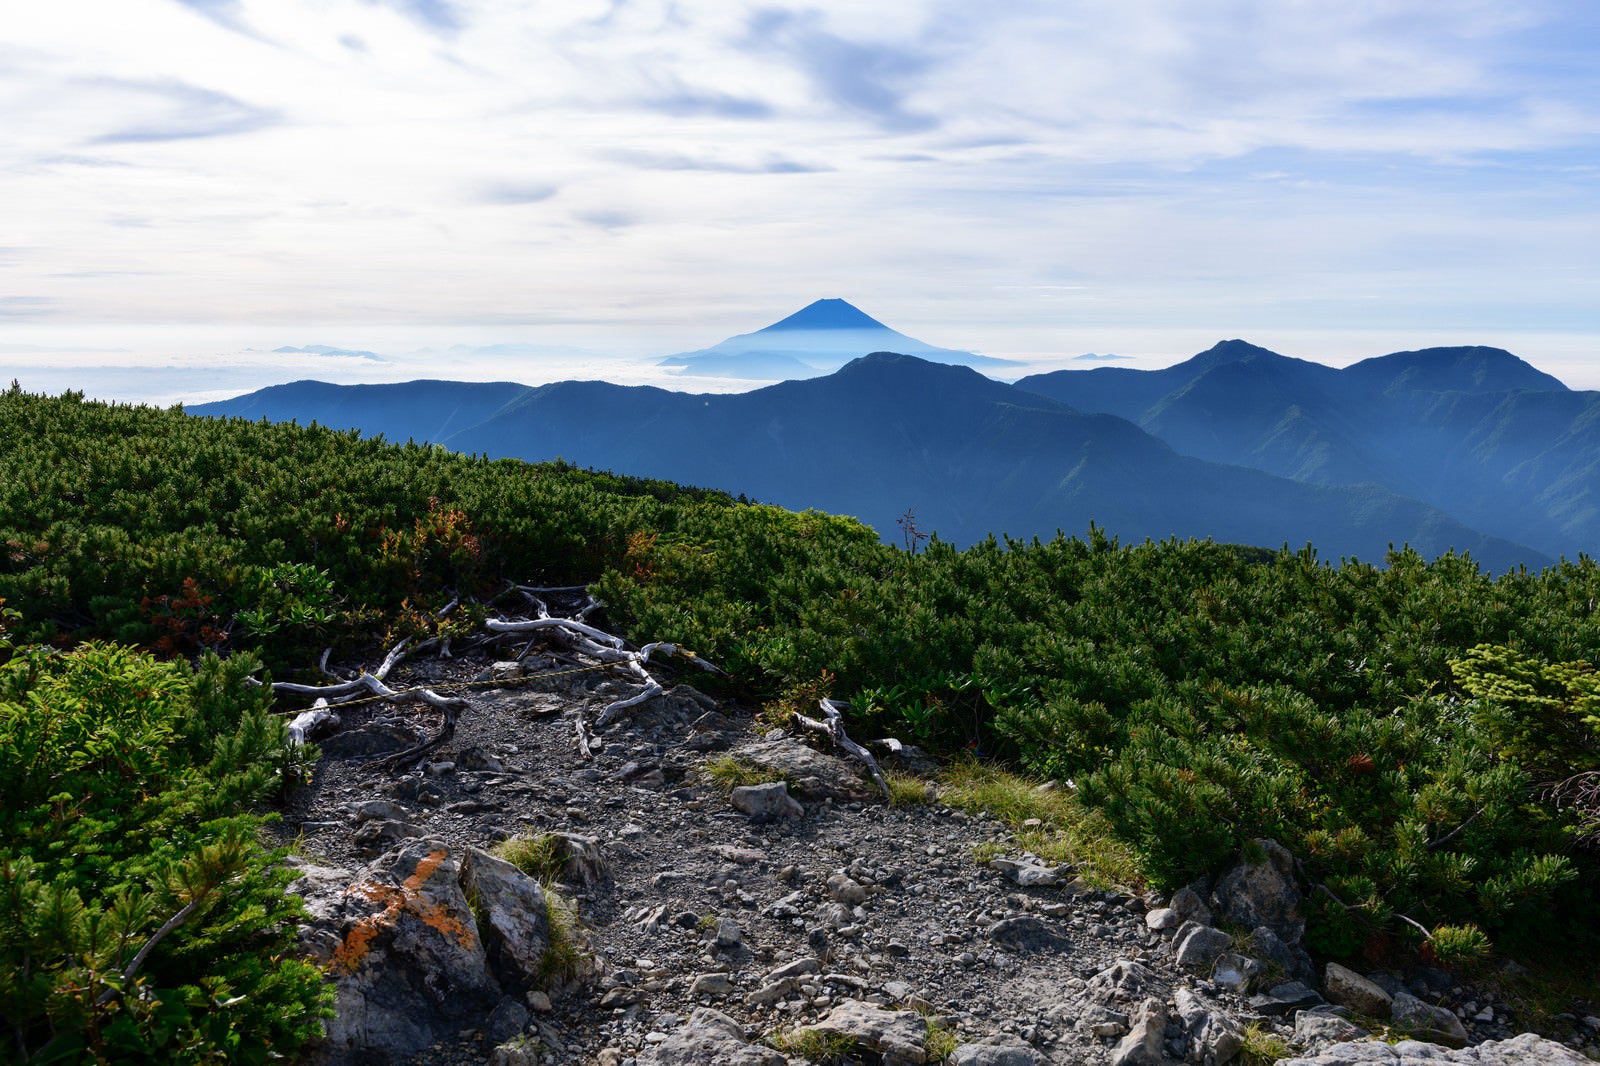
[
  {"x": 684, "y": 102},
  {"x": 25, "y": 306},
  {"x": 174, "y": 111},
  {"x": 662, "y": 160},
  {"x": 510, "y": 193},
  {"x": 867, "y": 77},
  {"x": 439, "y": 15},
  {"x": 608, "y": 219},
  {"x": 228, "y": 14}
]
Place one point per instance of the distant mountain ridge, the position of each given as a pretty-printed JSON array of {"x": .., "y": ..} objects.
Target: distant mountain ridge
[
  {"x": 1474, "y": 431},
  {"x": 889, "y": 432},
  {"x": 817, "y": 339},
  {"x": 1464, "y": 447}
]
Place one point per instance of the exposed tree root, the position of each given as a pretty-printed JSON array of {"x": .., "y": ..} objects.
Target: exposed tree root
[
  {"x": 578, "y": 635},
  {"x": 832, "y": 725}
]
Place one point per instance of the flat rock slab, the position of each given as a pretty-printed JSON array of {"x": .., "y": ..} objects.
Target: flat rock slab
[
  {"x": 897, "y": 1035},
  {"x": 1026, "y": 934},
  {"x": 368, "y": 740},
  {"x": 815, "y": 775},
  {"x": 1524, "y": 1050},
  {"x": 996, "y": 1053},
  {"x": 709, "y": 1036}
]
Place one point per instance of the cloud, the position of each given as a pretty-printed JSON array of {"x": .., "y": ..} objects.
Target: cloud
[
  {"x": 689, "y": 103},
  {"x": 174, "y": 111},
  {"x": 865, "y": 78},
  {"x": 228, "y": 14},
  {"x": 439, "y": 15},
  {"x": 513, "y": 193},
  {"x": 608, "y": 219},
  {"x": 662, "y": 160},
  {"x": 26, "y": 306},
  {"x": 331, "y": 352}
]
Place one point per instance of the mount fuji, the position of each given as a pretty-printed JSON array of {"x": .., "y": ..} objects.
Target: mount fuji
[{"x": 817, "y": 339}]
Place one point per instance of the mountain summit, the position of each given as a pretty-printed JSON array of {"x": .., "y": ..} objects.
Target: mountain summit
[
  {"x": 817, "y": 339},
  {"x": 826, "y": 314}
]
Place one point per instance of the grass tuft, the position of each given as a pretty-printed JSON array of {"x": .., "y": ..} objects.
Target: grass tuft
[
  {"x": 728, "y": 773},
  {"x": 540, "y": 857},
  {"x": 566, "y": 957},
  {"x": 940, "y": 1042},
  {"x": 1067, "y": 832},
  {"x": 908, "y": 790},
  {"x": 826, "y": 1049},
  {"x": 1262, "y": 1048}
]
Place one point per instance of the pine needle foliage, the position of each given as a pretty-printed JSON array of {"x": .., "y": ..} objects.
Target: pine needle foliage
[
  {"x": 140, "y": 918},
  {"x": 1200, "y": 694}
]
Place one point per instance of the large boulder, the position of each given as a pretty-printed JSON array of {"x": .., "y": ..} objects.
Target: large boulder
[
  {"x": 1424, "y": 1020},
  {"x": 1213, "y": 1036},
  {"x": 1197, "y": 947},
  {"x": 409, "y": 966},
  {"x": 1261, "y": 890},
  {"x": 1142, "y": 1045},
  {"x": 768, "y": 802},
  {"x": 516, "y": 919}
]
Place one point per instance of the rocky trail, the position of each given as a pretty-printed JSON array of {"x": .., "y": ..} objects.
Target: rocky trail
[{"x": 803, "y": 920}]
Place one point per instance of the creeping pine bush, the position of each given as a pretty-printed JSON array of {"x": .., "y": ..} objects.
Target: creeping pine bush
[{"x": 141, "y": 920}]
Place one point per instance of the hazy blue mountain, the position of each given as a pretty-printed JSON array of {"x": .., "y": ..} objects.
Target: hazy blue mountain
[
  {"x": 414, "y": 410},
  {"x": 1465, "y": 369},
  {"x": 323, "y": 349},
  {"x": 888, "y": 433},
  {"x": 1473, "y": 431},
  {"x": 817, "y": 339}
]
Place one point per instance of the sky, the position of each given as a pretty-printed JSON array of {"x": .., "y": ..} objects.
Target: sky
[{"x": 489, "y": 189}]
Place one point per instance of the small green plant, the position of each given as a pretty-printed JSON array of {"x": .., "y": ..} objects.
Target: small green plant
[
  {"x": 567, "y": 957},
  {"x": 801, "y": 697},
  {"x": 907, "y": 790},
  {"x": 541, "y": 857},
  {"x": 708, "y": 921},
  {"x": 940, "y": 1042},
  {"x": 827, "y": 1049},
  {"x": 525, "y": 1047},
  {"x": 1262, "y": 1047},
  {"x": 1459, "y": 945},
  {"x": 729, "y": 773}
]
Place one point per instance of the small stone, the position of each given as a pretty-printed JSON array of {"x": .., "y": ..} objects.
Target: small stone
[
  {"x": 765, "y": 803},
  {"x": 711, "y": 984},
  {"x": 1428, "y": 1021},
  {"x": 1349, "y": 989},
  {"x": 1199, "y": 946},
  {"x": 1162, "y": 919},
  {"x": 1234, "y": 971}
]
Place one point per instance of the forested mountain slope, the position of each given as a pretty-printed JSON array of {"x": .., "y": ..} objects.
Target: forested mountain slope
[
  {"x": 1473, "y": 431},
  {"x": 891, "y": 433}
]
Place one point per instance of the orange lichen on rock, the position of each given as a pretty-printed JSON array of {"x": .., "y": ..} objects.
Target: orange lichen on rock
[{"x": 407, "y": 898}]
